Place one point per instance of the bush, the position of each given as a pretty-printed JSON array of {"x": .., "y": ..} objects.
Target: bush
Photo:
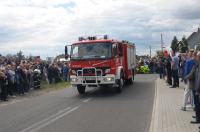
[{"x": 143, "y": 69}]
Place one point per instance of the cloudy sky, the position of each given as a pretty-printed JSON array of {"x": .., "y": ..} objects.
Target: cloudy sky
[{"x": 43, "y": 27}]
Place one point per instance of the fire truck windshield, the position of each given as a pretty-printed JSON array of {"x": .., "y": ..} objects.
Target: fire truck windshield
[{"x": 91, "y": 51}]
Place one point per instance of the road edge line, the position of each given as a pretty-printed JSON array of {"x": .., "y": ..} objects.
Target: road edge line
[
  {"x": 153, "y": 123},
  {"x": 45, "y": 119}
]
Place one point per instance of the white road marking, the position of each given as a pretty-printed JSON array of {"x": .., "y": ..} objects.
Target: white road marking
[
  {"x": 54, "y": 119},
  {"x": 45, "y": 120},
  {"x": 86, "y": 100}
]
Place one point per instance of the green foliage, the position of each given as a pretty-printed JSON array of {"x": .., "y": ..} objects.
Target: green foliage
[
  {"x": 174, "y": 44},
  {"x": 198, "y": 48},
  {"x": 183, "y": 45},
  {"x": 30, "y": 57},
  {"x": 20, "y": 55}
]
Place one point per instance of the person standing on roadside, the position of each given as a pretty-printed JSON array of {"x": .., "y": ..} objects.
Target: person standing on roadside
[
  {"x": 169, "y": 70},
  {"x": 175, "y": 67},
  {"x": 50, "y": 73},
  {"x": 11, "y": 79},
  {"x": 20, "y": 80},
  {"x": 151, "y": 66},
  {"x": 189, "y": 83},
  {"x": 161, "y": 68},
  {"x": 182, "y": 66},
  {"x": 3, "y": 85},
  {"x": 66, "y": 72},
  {"x": 195, "y": 75}
]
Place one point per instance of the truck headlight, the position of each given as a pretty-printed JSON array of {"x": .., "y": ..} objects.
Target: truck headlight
[{"x": 108, "y": 79}]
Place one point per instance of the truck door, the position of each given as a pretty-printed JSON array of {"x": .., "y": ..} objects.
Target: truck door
[
  {"x": 117, "y": 53},
  {"x": 120, "y": 52}
]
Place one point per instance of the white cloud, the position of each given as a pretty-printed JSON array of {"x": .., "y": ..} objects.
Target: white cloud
[{"x": 38, "y": 25}]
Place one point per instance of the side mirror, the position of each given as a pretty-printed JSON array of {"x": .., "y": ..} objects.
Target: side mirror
[
  {"x": 120, "y": 48},
  {"x": 66, "y": 53}
]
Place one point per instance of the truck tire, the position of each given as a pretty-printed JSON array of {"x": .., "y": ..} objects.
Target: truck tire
[
  {"x": 131, "y": 80},
  {"x": 120, "y": 83},
  {"x": 81, "y": 89}
]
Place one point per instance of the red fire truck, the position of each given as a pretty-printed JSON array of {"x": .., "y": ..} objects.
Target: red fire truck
[{"x": 100, "y": 61}]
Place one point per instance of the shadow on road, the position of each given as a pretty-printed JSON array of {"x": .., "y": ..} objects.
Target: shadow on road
[{"x": 142, "y": 85}]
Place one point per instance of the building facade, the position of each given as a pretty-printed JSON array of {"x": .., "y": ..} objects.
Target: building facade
[{"x": 194, "y": 40}]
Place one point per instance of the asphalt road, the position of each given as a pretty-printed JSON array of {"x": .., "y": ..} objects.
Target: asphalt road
[{"x": 97, "y": 111}]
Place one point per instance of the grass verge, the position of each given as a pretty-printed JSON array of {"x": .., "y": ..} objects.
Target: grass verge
[{"x": 60, "y": 85}]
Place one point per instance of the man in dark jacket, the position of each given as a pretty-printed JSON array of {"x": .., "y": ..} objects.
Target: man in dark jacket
[
  {"x": 50, "y": 74},
  {"x": 3, "y": 86},
  {"x": 169, "y": 70},
  {"x": 195, "y": 75},
  {"x": 20, "y": 79},
  {"x": 10, "y": 73},
  {"x": 161, "y": 68}
]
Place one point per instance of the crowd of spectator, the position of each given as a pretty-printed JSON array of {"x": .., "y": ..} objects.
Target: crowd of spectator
[
  {"x": 187, "y": 67},
  {"x": 17, "y": 76}
]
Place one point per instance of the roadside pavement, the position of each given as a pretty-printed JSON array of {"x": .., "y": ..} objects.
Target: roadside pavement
[{"x": 167, "y": 116}]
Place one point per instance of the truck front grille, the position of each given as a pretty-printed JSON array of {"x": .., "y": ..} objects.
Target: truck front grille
[{"x": 89, "y": 71}]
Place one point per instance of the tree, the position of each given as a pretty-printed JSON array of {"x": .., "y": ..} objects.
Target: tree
[
  {"x": 174, "y": 44},
  {"x": 30, "y": 57},
  {"x": 9, "y": 56},
  {"x": 198, "y": 48},
  {"x": 20, "y": 55},
  {"x": 183, "y": 45},
  {"x": 159, "y": 53}
]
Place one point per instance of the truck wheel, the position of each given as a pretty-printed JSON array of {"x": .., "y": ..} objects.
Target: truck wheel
[
  {"x": 81, "y": 89},
  {"x": 120, "y": 83},
  {"x": 131, "y": 80}
]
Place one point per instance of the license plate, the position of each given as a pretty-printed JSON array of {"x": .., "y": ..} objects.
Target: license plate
[{"x": 90, "y": 78}]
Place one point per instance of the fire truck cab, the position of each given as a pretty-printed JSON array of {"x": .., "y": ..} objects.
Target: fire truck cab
[{"x": 101, "y": 62}]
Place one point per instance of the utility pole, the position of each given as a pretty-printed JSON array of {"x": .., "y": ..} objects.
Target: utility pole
[
  {"x": 150, "y": 50},
  {"x": 162, "y": 42}
]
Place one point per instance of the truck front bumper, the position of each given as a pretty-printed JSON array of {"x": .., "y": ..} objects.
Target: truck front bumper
[{"x": 92, "y": 80}]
